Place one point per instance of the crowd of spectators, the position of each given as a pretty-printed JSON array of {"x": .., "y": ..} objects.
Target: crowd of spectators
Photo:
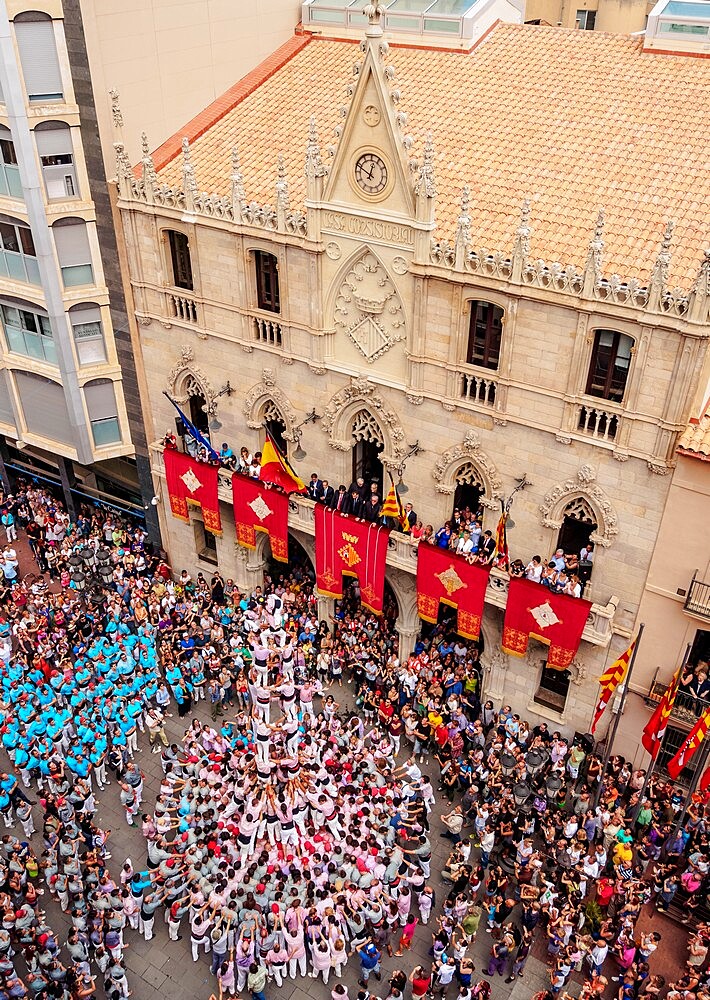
[{"x": 291, "y": 833}]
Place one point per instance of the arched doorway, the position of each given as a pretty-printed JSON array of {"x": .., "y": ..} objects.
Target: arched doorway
[
  {"x": 198, "y": 411},
  {"x": 469, "y": 490},
  {"x": 369, "y": 445},
  {"x": 578, "y": 523},
  {"x": 275, "y": 425}
]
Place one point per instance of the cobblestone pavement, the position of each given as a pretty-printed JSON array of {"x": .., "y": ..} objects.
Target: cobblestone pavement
[{"x": 162, "y": 968}]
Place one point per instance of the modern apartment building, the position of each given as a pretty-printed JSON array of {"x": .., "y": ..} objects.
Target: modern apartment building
[{"x": 69, "y": 402}]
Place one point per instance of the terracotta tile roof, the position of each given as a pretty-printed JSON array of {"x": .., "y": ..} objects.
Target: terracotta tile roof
[
  {"x": 573, "y": 120},
  {"x": 695, "y": 439}
]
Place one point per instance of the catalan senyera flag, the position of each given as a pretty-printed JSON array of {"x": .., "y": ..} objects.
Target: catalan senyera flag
[
  {"x": 690, "y": 745},
  {"x": 658, "y": 723},
  {"x": 276, "y": 469},
  {"x": 609, "y": 682},
  {"x": 392, "y": 507}
]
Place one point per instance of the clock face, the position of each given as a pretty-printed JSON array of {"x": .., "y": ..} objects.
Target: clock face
[{"x": 371, "y": 173}]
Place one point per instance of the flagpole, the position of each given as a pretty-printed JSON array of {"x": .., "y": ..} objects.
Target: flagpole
[
  {"x": 652, "y": 768},
  {"x": 615, "y": 726},
  {"x": 594, "y": 710},
  {"x": 703, "y": 755}
]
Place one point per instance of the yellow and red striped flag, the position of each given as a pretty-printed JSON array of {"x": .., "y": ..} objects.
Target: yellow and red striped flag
[
  {"x": 392, "y": 507},
  {"x": 609, "y": 682},
  {"x": 658, "y": 723},
  {"x": 689, "y": 746},
  {"x": 502, "y": 536}
]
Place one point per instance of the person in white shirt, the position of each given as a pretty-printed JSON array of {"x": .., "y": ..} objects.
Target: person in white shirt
[
  {"x": 533, "y": 570},
  {"x": 465, "y": 544}
]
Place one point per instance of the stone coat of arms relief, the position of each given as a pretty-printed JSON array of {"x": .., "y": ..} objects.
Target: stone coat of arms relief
[{"x": 368, "y": 308}]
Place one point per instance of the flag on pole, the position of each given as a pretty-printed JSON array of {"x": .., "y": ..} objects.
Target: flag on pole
[
  {"x": 689, "y": 746},
  {"x": 658, "y": 723},
  {"x": 276, "y": 469},
  {"x": 392, "y": 507},
  {"x": 192, "y": 430},
  {"x": 609, "y": 682},
  {"x": 501, "y": 537}
]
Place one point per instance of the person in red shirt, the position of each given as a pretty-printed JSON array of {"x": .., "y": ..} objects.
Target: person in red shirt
[{"x": 420, "y": 980}]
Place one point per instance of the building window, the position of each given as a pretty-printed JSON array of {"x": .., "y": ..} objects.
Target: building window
[
  {"x": 88, "y": 334},
  {"x": 484, "y": 335},
  {"x": 38, "y": 56},
  {"x": 275, "y": 425},
  {"x": 71, "y": 239},
  {"x": 609, "y": 365},
  {"x": 180, "y": 259},
  {"x": 268, "y": 295},
  {"x": 586, "y": 19},
  {"x": 56, "y": 154},
  {"x": 18, "y": 259},
  {"x": 369, "y": 445},
  {"x": 100, "y": 399},
  {"x": 43, "y": 407},
  {"x": 28, "y": 333},
  {"x": 205, "y": 543},
  {"x": 552, "y": 689},
  {"x": 469, "y": 490},
  {"x": 10, "y": 184}
]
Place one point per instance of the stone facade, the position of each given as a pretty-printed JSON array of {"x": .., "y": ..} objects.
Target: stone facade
[{"x": 374, "y": 317}]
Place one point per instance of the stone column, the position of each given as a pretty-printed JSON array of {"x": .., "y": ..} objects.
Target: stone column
[
  {"x": 407, "y": 634},
  {"x": 250, "y": 569},
  {"x": 326, "y": 608}
]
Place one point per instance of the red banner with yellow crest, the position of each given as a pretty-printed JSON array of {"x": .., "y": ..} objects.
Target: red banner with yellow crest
[
  {"x": 347, "y": 546},
  {"x": 192, "y": 482},
  {"x": 446, "y": 578}
]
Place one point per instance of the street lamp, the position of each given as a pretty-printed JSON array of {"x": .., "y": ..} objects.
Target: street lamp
[
  {"x": 507, "y": 764},
  {"x": 552, "y": 785},
  {"x": 521, "y": 793},
  {"x": 535, "y": 760}
]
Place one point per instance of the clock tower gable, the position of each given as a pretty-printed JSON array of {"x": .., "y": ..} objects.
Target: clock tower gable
[{"x": 370, "y": 170}]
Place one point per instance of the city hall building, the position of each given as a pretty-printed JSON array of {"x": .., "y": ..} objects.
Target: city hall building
[{"x": 472, "y": 259}]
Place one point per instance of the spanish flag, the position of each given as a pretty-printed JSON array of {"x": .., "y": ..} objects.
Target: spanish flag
[
  {"x": 609, "y": 682},
  {"x": 658, "y": 723},
  {"x": 276, "y": 469},
  {"x": 392, "y": 507}
]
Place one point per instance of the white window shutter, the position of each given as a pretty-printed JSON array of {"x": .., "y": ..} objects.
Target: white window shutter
[{"x": 38, "y": 56}]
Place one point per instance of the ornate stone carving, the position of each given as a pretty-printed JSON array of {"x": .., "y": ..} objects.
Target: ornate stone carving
[
  {"x": 468, "y": 460},
  {"x": 368, "y": 308},
  {"x": 449, "y": 407},
  {"x": 262, "y": 397},
  {"x": 186, "y": 379},
  {"x": 578, "y": 672},
  {"x": 317, "y": 369},
  {"x": 593, "y": 269},
  {"x": 661, "y": 268},
  {"x": 144, "y": 320},
  {"x": 563, "y": 439},
  {"x": 424, "y": 185},
  {"x": 414, "y": 399},
  {"x": 584, "y": 486},
  {"x": 116, "y": 113},
  {"x": 659, "y": 469},
  {"x": 314, "y": 162},
  {"x": 333, "y": 250},
  {"x": 521, "y": 244},
  {"x": 361, "y": 394},
  {"x": 500, "y": 421},
  {"x": 399, "y": 265}
]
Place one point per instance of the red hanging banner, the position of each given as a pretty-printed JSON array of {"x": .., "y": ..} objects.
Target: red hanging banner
[
  {"x": 258, "y": 508},
  {"x": 192, "y": 482},
  {"x": 347, "y": 546},
  {"x": 446, "y": 578},
  {"x": 555, "y": 619}
]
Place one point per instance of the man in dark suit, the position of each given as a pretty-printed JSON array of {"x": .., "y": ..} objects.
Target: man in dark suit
[
  {"x": 315, "y": 487},
  {"x": 410, "y": 514},
  {"x": 371, "y": 509},
  {"x": 340, "y": 499},
  {"x": 359, "y": 485},
  {"x": 327, "y": 493},
  {"x": 354, "y": 504}
]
